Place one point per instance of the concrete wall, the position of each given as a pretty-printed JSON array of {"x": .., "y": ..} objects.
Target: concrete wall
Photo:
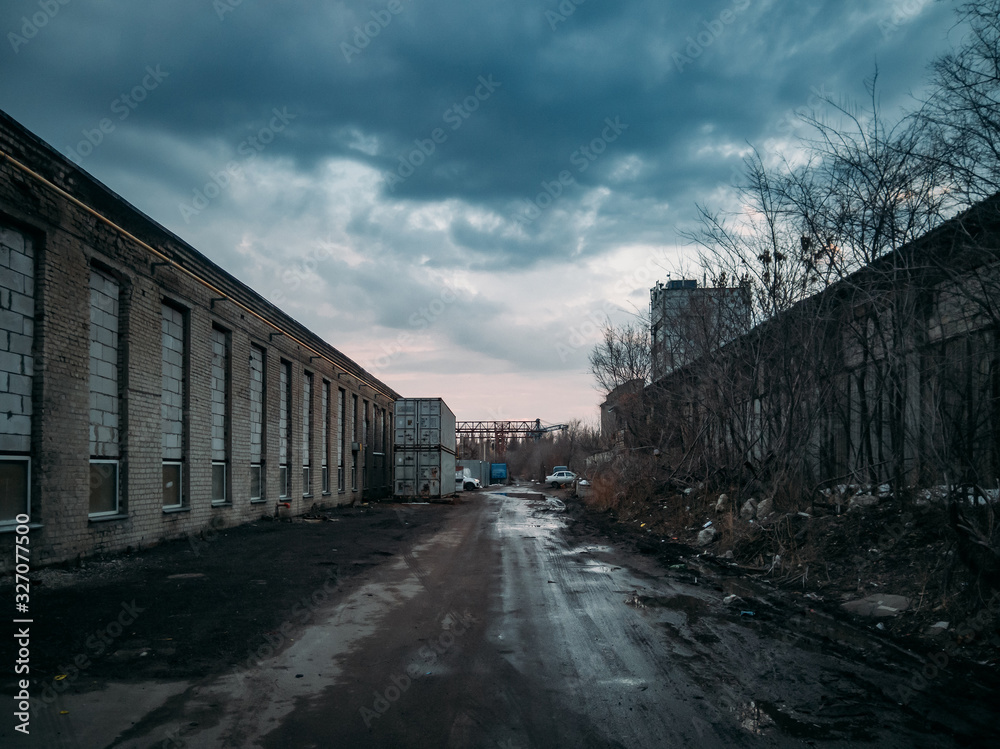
[
  {"x": 890, "y": 375},
  {"x": 59, "y": 336}
]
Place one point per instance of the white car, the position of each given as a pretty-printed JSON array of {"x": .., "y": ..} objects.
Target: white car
[
  {"x": 465, "y": 482},
  {"x": 560, "y": 478}
]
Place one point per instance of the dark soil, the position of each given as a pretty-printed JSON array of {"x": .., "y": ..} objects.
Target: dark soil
[{"x": 204, "y": 604}]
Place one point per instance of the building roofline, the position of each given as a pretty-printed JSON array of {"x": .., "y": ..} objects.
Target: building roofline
[{"x": 76, "y": 184}]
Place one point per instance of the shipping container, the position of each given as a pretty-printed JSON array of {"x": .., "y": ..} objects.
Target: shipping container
[
  {"x": 426, "y": 422},
  {"x": 478, "y": 469},
  {"x": 498, "y": 473},
  {"x": 424, "y": 448},
  {"x": 424, "y": 473}
]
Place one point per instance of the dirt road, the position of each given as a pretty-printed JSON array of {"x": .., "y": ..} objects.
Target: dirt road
[{"x": 505, "y": 623}]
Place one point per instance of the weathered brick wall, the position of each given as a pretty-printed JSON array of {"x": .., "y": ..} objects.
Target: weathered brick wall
[
  {"x": 67, "y": 242},
  {"x": 17, "y": 313}
]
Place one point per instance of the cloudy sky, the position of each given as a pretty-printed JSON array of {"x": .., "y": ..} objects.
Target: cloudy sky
[{"x": 455, "y": 194}]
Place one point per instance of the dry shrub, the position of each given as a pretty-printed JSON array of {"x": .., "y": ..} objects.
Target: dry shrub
[
  {"x": 603, "y": 493},
  {"x": 627, "y": 484}
]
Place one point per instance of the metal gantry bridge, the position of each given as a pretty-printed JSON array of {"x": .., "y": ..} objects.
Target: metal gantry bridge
[{"x": 501, "y": 432}]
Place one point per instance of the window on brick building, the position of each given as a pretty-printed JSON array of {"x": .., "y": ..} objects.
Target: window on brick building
[
  {"x": 325, "y": 454},
  {"x": 284, "y": 429},
  {"x": 15, "y": 480},
  {"x": 355, "y": 446},
  {"x": 105, "y": 398},
  {"x": 258, "y": 392},
  {"x": 220, "y": 416},
  {"x": 307, "y": 381},
  {"x": 17, "y": 321},
  {"x": 341, "y": 436},
  {"x": 174, "y": 355}
]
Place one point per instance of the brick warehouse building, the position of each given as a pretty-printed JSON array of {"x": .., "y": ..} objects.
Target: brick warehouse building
[{"x": 145, "y": 393}]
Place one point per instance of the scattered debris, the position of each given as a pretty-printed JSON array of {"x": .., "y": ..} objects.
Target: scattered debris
[
  {"x": 635, "y": 600},
  {"x": 753, "y": 719},
  {"x": 877, "y": 605},
  {"x": 937, "y": 628},
  {"x": 775, "y": 562},
  {"x": 707, "y": 536},
  {"x": 765, "y": 508},
  {"x": 862, "y": 500}
]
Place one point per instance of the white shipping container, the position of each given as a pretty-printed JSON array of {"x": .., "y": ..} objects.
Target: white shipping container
[
  {"x": 423, "y": 473},
  {"x": 424, "y": 422}
]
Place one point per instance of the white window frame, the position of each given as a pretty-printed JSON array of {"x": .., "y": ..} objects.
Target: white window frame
[
  {"x": 325, "y": 457},
  {"x": 307, "y": 432},
  {"x": 284, "y": 481},
  {"x": 118, "y": 491},
  {"x": 341, "y": 440},
  {"x": 225, "y": 482},
  {"x": 180, "y": 482},
  {"x": 259, "y": 467}
]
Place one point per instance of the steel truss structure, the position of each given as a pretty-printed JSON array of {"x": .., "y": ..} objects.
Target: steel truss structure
[{"x": 502, "y": 432}]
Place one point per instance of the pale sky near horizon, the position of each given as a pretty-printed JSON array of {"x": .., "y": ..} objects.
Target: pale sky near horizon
[{"x": 454, "y": 194}]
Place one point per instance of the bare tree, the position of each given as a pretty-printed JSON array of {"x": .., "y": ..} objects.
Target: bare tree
[
  {"x": 845, "y": 370},
  {"x": 622, "y": 356},
  {"x": 756, "y": 394},
  {"x": 870, "y": 193},
  {"x": 964, "y": 109}
]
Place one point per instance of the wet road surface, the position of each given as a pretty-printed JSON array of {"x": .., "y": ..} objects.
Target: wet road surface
[{"x": 506, "y": 630}]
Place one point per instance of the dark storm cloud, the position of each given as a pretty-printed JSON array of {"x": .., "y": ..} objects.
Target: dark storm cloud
[
  {"x": 665, "y": 69},
  {"x": 536, "y": 132}
]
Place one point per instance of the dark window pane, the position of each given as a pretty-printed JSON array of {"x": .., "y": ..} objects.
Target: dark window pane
[
  {"x": 172, "y": 494},
  {"x": 255, "y": 482},
  {"x": 218, "y": 482},
  {"x": 103, "y": 488},
  {"x": 13, "y": 489}
]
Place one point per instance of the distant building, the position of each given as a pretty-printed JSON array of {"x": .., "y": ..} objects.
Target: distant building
[
  {"x": 687, "y": 322},
  {"x": 619, "y": 410}
]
